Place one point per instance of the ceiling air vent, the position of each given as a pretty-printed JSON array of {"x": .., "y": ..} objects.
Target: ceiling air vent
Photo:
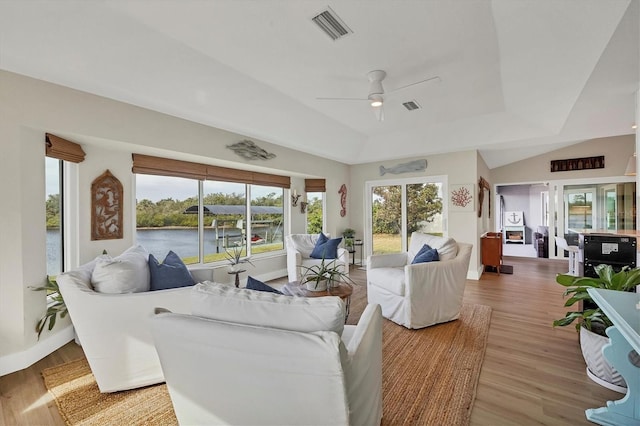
[
  {"x": 331, "y": 24},
  {"x": 411, "y": 105}
]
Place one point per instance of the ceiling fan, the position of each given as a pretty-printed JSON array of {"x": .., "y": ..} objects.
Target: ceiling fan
[{"x": 376, "y": 92}]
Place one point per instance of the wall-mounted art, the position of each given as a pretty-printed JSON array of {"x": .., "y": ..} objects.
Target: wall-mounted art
[
  {"x": 106, "y": 207},
  {"x": 572, "y": 164},
  {"x": 461, "y": 197},
  {"x": 411, "y": 166},
  {"x": 483, "y": 185},
  {"x": 343, "y": 200},
  {"x": 250, "y": 151}
]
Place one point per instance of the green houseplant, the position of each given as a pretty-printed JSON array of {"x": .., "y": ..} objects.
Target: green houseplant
[
  {"x": 592, "y": 322},
  {"x": 592, "y": 318},
  {"x": 234, "y": 257},
  {"x": 55, "y": 308},
  {"x": 348, "y": 235},
  {"x": 324, "y": 275}
]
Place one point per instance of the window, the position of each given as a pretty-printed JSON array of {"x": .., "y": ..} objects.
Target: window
[
  {"x": 54, "y": 212},
  {"x": 267, "y": 219},
  {"x": 315, "y": 212},
  {"x": 199, "y": 216},
  {"x": 162, "y": 223}
]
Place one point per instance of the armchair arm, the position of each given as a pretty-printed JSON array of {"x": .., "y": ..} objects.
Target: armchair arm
[
  {"x": 387, "y": 260},
  {"x": 343, "y": 256},
  {"x": 294, "y": 259},
  {"x": 363, "y": 369}
]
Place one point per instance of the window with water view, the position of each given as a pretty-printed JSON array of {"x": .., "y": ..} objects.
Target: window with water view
[{"x": 234, "y": 215}]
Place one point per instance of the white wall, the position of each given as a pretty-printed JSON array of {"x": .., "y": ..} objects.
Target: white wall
[
  {"x": 459, "y": 167},
  {"x": 109, "y": 132},
  {"x": 616, "y": 150}
]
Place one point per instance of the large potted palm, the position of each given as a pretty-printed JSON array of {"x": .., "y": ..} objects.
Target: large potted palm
[
  {"x": 592, "y": 322},
  {"x": 324, "y": 275}
]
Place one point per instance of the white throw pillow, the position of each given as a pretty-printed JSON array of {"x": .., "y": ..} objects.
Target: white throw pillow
[
  {"x": 238, "y": 305},
  {"x": 304, "y": 243},
  {"x": 127, "y": 273},
  {"x": 447, "y": 247}
]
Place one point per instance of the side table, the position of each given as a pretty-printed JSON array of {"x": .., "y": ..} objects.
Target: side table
[
  {"x": 237, "y": 274},
  {"x": 343, "y": 291},
  {"x": 356, "y": 243}
]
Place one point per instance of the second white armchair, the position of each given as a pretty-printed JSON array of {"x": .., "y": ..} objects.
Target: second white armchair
[
  {"x": 299, "y": 248},
  {"x": 422, "y": 294}
]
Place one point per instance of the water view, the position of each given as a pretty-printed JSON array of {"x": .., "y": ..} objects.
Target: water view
[{"x": 158, "y": 242}]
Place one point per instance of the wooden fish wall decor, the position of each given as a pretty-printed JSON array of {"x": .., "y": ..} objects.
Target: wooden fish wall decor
[
  {"x": 411, "y": 166},
  {"x": 250, "y": 151}
]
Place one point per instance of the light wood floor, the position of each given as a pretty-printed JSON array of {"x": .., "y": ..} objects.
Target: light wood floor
[{"x": 532, "y": 373}]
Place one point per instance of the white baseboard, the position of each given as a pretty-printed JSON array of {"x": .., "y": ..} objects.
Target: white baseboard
[
  {"x": 23, "y": 359},
  {"x": 475, "y": 275}
]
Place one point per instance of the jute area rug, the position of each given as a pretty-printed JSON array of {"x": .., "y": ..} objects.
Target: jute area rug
[{"x": 429, "y": 378}]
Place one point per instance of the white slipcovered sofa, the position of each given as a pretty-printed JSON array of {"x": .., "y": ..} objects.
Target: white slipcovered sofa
[
  {"x": 422, "y": 294},
  {"x": 299, "y": 248},
  {"x": 257, "y": 358},
  {"x": 114, "y": 331}
]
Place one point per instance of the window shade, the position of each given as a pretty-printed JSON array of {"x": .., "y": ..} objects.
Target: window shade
[
  {"x": 147, "y": 164},
  {"x": 63, "y": 149},
  {"x": 315, "y": 185}
]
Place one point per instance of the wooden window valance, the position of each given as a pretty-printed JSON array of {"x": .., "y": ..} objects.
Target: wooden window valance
[
  {"x": 315, "y": 185},
  {"x": 63, "y": 149},
  {"x": 150, "y": 165}
]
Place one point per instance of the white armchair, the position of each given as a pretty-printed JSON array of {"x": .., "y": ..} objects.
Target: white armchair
[
  {"x": 113, "y": 329},
  {"x": 301, "y": 366},
  {"x": 299, "y": 248},
  {"x": 422, "y": 294}
]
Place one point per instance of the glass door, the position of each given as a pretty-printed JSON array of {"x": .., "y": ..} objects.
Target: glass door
[
  {"x": 580, "y": 210},
  {"x": 398, "y": 208},
  {"x": 610, "y": 215},
  {"x": 386, "y": 219}
]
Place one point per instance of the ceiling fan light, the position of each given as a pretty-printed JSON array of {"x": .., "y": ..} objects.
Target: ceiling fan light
[{"x": 376, "y": 101}]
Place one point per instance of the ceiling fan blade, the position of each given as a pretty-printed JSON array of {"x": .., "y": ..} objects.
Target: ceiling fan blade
[
  {"x": 416, "y": 83},
  {"x": 342, "y": 99}
]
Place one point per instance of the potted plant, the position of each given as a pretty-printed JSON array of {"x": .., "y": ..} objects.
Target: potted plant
[
  {"x": 57, "y": 306},
  {"x": 324, "y": 275},
  {"x": 592, "y": 322},
  {"x": 235, "y": 259},
  {"x": 347, "y": 236}
]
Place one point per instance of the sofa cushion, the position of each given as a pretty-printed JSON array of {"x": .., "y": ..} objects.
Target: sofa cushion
[
  {"x": 238, "y": 305},
  {"x": 171, "y": 273},
  {"x": 326, "y": 248},
  {"x": 253, "y": 284},
  {"x": 390, "y": 279},
  {"x": 127, "y": 273},
  {"x": 426, "y": 254}
]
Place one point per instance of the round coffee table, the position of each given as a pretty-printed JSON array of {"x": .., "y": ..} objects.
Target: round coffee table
[{"x": 343, "y": 291}]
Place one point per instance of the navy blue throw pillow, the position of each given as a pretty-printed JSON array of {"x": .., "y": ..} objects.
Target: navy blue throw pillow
[
  {"x": 253, "y": 284},
  {"x": 326, "y": 248},
  {"x": 171, "y": 273},
  {"x": 426, "y": 254}
]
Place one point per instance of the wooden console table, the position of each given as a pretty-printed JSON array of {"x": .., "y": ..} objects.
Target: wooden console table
[{"x": 622, "y": 308}]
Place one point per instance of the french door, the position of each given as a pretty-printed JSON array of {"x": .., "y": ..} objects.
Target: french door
[{"x": 396, "y": 208}]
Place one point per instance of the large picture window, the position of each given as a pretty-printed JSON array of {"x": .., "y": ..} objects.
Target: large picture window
[{"x": 200, "y": 217}]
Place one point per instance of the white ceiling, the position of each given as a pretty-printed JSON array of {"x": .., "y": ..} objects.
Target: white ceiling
[{"x": 518, "y": 78}]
